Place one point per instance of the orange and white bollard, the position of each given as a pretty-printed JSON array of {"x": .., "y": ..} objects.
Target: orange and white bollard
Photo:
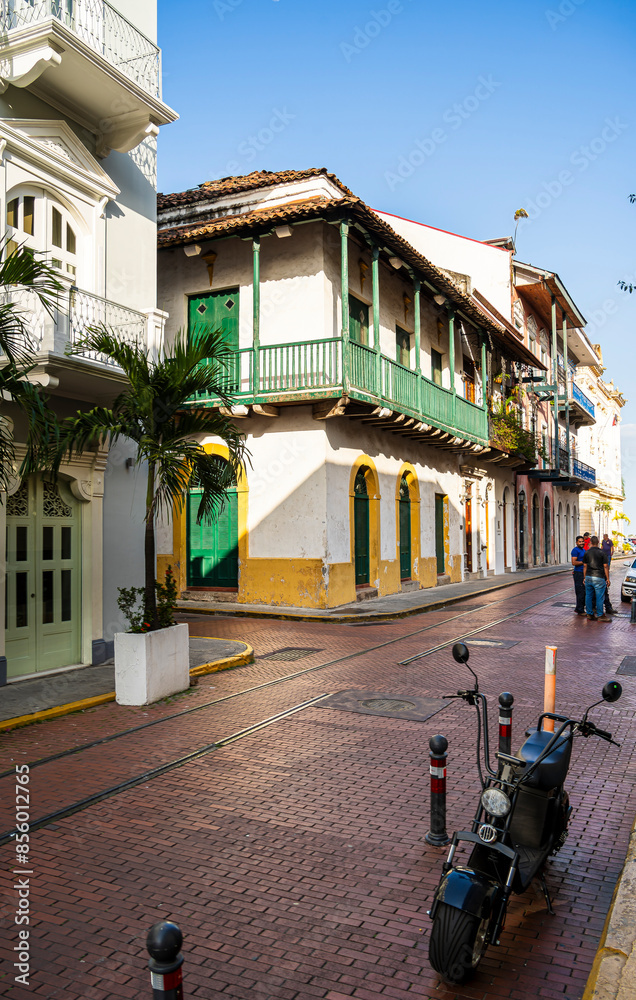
[{"x": 549, "y": 694}]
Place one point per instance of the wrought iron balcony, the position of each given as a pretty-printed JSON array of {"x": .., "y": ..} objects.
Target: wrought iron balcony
[
  {"x": 319, "y": 369},
  {"x": 584, "y": 472},
  {"x": 86, "y": 310},
  {"x": 101, "y": 27}
]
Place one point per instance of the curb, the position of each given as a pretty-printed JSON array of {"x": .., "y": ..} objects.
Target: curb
[
  {"x": 185, "y": 607},
  {"x": 238, "y": 660},
  {"x": 613, "y": 975}
]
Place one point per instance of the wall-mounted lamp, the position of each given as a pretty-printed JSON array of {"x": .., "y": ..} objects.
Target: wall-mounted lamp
[
  {"x": 439, "y": 300},
  {"x": 395, "y": 262},
  {"x": 193, "y": 250},
  {"x": 129, "y": 463},
  {"x": 283, "y": 231},
  {"x": 209, "y": 259}
]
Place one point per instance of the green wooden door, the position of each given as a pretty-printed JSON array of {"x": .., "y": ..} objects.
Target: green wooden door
[
  {"x": 405, "y": 530},
  {"x": 439, "y": 534},
  {"x": 213, "y": 544},
  {"x": 220, "y": 311},
  {"x": 358, "y": 321},
  {"x": 43, "y": 586},
  {"x": 361, "y": 529}
]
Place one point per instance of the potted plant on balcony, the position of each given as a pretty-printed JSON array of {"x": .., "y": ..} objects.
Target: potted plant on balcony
[
  {"x": 155, "y": 412},
  {"x": 507, "y": 432}
]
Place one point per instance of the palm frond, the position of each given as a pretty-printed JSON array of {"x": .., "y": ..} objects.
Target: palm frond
[{"x": 21, "y": 271}]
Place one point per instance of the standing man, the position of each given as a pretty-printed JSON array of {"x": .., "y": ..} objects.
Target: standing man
[
  {"x": 608, "y": 547},
  {"x": 596, "y": 576},
  {"x": 577, "y": 575},
  {"x": 586, "y": 540}
]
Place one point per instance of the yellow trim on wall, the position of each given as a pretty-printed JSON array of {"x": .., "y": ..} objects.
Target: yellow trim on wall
[
  {"x": 179, "y": 557},
  {"x": 373, "y": 490},
  {"x": 414, "y": 497}
]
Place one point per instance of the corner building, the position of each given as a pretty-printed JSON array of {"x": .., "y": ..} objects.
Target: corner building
[{"x": 363, "y": 377}]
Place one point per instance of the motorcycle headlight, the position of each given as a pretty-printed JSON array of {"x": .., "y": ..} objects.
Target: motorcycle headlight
[{"x": 495, "y": 802}]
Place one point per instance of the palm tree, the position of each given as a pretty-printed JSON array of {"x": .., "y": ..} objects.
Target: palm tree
[
  {"x": 155, "y": 412},
  {"x": 22, "y": 270}
]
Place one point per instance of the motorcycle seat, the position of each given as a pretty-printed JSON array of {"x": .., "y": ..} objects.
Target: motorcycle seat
[{"x": 553, "y": 770}]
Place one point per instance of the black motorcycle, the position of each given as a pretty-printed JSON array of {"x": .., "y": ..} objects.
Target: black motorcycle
[{"x": 521, "y": 819}]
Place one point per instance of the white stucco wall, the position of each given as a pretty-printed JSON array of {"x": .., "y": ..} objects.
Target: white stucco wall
[
  {"x": 488, "y": 267},
  {"x": 287, "y": 486}
]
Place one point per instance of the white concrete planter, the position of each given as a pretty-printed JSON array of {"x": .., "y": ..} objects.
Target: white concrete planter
[{"x": 151, "y": 665}]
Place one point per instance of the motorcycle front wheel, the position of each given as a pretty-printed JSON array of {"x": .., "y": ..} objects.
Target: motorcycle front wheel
[{"x": 458, "y": 943}]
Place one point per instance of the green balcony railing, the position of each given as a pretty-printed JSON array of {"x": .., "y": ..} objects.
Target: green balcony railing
[{"x": 315, "y": 369}]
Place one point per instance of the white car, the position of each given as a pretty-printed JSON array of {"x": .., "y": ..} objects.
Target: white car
[{"x": 628, "y": 587}]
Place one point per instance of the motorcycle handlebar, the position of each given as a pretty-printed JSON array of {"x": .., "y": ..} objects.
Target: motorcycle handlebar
[{"x": 589, "y": 729}]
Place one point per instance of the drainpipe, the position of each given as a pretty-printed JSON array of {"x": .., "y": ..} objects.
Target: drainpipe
[
  {"x": 417, "y": 287},
  {"x": 344, "y": 296},
  {"x": 555, "y": 382},
  {"x": 375, "y": 284},
  {"x": 484, "y": 374},
  {"x": 567, "y": 393},
  {"x": 256, "y": 317}
]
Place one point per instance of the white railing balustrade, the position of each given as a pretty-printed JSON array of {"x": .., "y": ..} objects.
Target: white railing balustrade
[
  {"x": 102, "y": 27},
  {"x": 38, "y": 324},
  {"x": 88, "y": 311}
]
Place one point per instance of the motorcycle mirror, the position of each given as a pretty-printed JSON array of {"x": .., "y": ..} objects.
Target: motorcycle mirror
[
  {"x": 461, "y": 654},
  {"x": 612, "y": 691}
]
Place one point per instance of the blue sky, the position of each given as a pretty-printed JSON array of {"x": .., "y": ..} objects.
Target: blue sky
[{"x": 501, "y": 106}]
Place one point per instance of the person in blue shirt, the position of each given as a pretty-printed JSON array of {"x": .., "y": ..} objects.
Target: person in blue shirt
[{"x": 577, "y": 575}]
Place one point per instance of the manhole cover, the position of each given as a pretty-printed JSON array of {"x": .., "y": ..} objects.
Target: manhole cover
[
  {"x": 388, "y": 705},
  {"x": 413, "y": 708},
  {"x": 628, "y": 666},
  {"x": 497, "y": 643},
  {"x": 291, "y": 653}
]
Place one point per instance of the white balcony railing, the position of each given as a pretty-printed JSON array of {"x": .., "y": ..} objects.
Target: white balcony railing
[
  {"x": 101, "y": 27},
  {"x": 70, "y": 321}
]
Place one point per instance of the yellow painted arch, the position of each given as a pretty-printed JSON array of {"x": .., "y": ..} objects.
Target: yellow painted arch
[{"x": 373, "y": 491}]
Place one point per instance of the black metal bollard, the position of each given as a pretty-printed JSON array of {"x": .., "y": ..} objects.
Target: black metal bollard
[
  {"x": 437, "y": 835},
  {"x": 506, "y": 702},
  {"x": 632, "y": 620},
  {"x": 164, "y": 943}
]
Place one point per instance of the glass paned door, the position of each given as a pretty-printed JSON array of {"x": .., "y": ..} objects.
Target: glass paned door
[{"x": 43, "y": 605}]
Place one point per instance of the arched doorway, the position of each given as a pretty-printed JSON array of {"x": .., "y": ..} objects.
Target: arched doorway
[
  {"x": 559, "y": 539},
  {"x": 213, "y": 561},
  {"x": 547, "y": 530},
  {"x": 522, "y": 514},
  {"x": 361, "y": 527},
  {"x": 405, "y": 529},
  {"x": 569, "y": 541},
  {"x": 535, "y": 529},
  {"x": 43, "y": 577}
]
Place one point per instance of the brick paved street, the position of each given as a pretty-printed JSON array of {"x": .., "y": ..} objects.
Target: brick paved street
[{"x": 294, "y": 858}]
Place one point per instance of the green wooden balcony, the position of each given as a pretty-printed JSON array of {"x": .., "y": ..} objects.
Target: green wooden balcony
[{"x": 318, "y": 369}]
